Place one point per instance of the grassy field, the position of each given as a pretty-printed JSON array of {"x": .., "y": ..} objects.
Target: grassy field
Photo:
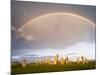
[{"x": 33, "y": 68}]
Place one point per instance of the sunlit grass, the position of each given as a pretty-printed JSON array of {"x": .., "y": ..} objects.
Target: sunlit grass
[{"x": 33, "y": 68}]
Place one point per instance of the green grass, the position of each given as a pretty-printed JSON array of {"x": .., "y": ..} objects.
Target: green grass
[{"x": 33, "y": 68}]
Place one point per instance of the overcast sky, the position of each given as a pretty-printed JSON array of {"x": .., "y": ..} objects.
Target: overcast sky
[{"x": 58, "y": 33}]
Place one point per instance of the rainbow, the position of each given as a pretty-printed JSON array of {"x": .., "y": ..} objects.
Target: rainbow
[{"x": 51, "y": 14}]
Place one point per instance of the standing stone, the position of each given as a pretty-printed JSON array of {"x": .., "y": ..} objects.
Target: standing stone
[
  {"x": 56, "y": 59},
  {"x": 86, "y": 60},
  {"x": 78, "y": 61},
  {"x": 62, "y": 60},
  {"x": 24, "y": 63},
  {"x": 66, "y": 60},
  {"x": 48, "y": 61}
]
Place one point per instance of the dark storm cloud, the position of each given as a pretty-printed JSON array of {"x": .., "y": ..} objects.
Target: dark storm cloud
[{"x": 24, "y": 11}]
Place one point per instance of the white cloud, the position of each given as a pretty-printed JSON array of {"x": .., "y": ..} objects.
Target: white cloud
[{"x": 21, "y": 34}]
